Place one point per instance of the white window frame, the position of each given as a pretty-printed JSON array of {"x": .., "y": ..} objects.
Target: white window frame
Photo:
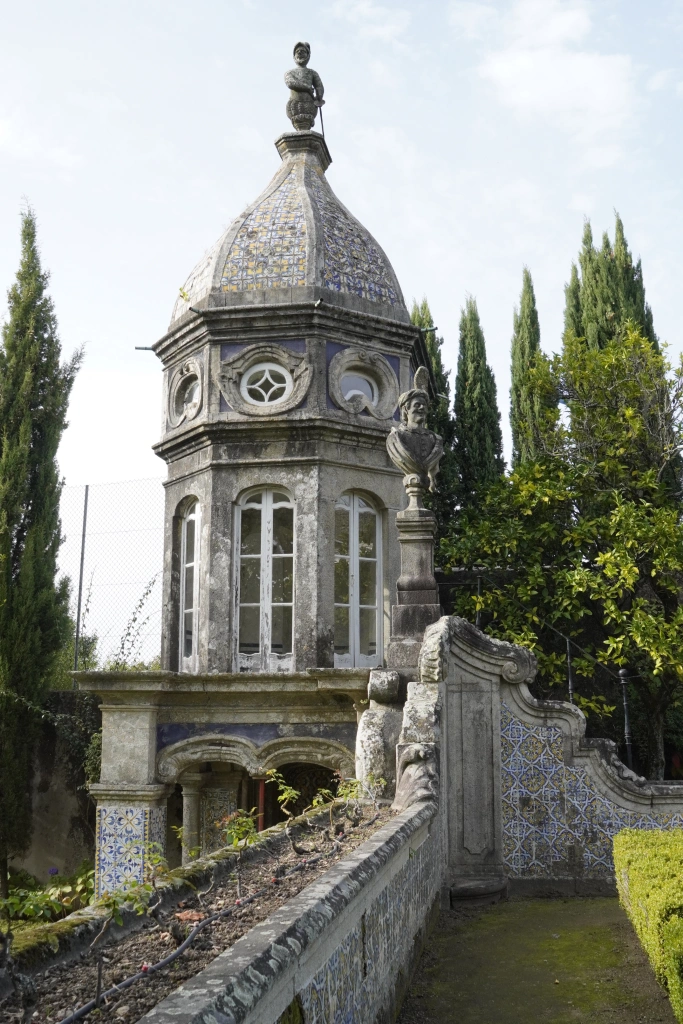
[
  {"x": 264, "y": 660},
  {"x": 354, "y": 659},
  {"x": 188, "y": 663}
]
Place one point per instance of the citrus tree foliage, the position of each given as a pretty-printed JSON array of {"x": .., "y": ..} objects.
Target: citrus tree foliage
[
  {"x": 587, "y": 539},
  {"x": 34, "y": 623},
  {"x": 440, "y": 420}
]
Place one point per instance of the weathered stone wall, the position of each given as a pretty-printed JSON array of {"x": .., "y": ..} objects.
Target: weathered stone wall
[
  {"x": 524, "y": 795},
  {"x": 341, "y": 951},
  {"x": 63, "y": 816}
]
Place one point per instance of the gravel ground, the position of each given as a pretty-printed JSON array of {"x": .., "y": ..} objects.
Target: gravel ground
[{"x": 61, "y": 988}]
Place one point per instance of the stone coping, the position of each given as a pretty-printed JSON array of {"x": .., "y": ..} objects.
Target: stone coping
[
  {"x": 234, "y": 983},
  {"x": 313, "y": 681}
]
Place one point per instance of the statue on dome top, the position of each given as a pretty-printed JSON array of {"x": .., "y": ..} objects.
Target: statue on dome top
[
  {"x": 305, "y": 90},
  {"x": 412, "y": 447}
]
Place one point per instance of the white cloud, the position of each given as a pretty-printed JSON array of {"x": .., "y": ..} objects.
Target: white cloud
[
  {"x": 540, "y": 70},
  {"x": 660, "y": 80},
  {"x": 23, "y": 144},
  {"x": 472, "y": 19},
  {"x": 372, "y": 20}
]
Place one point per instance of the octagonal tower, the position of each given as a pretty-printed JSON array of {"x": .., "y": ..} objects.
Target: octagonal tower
[{"x": 288, "y": 347}]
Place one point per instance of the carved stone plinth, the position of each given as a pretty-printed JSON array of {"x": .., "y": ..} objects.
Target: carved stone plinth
[{"x": 417, "y": 593}]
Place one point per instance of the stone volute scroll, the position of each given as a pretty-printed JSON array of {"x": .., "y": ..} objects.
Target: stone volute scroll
[
  {"x": 416, "y": 451},
  {"x": 305, "y": 90},
  {"x": 185, "y": 393},
  {"x": 383, "y": 398}
]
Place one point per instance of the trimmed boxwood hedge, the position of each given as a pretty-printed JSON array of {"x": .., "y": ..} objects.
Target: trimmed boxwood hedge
[{"x": 649, "y": 870}]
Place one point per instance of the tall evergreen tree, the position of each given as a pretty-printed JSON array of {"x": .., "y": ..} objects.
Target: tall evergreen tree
[
  {"x": 525, "y": 407},
  {"x": 478, "y": 438},
  {"x": 34, "y": 395},
  {"x": 442, "y": 502},
  {"x": 608, "y": 291}
]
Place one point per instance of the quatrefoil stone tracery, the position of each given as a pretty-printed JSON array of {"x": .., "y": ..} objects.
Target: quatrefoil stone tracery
[{"x": 266, "y": 384}]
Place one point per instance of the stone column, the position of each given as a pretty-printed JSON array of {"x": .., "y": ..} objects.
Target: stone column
[
  {"x": 192, "y": 785},
  {"x": 416, "y": 590}
]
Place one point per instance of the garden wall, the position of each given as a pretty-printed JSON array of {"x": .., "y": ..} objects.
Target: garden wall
[
  {"x": 342, "y": 951},
  {"x": 565, "y": 797}
]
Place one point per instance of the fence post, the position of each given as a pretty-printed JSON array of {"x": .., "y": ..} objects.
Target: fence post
[
  {"x": 80, "y": 582},
  {"x": 570, "y": 672},
  {"x": 623, "y": 679}
]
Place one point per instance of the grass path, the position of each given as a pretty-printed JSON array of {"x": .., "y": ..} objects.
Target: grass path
[{"x": 536, "y": 962}]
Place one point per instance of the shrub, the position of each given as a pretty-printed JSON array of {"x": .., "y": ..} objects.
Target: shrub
[{"x": 649, "y": 870}]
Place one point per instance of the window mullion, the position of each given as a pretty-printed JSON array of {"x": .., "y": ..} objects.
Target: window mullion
[
  {"x": 266, "y": 576},
  {"x": 354, "y": 616},
  {"x": 195, "y": 586}
]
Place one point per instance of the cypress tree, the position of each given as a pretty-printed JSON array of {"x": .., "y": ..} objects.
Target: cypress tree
[
  {"x": 572, "y": 304},
  {"x": 525, "y": 408},
  {"x": 608, "y": 292},
  {"x": 34, "y": 622},
  {"x": 442, "y": 502},
  {"x": 478, "y": 438}
]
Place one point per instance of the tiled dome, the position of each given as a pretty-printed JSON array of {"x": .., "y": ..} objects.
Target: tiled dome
[{"x": 296, "y": 243}]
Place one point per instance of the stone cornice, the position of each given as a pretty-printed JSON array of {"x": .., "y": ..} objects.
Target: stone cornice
[
  {"x": 298, "y": 425},
  {"x": 233, "y": 323}
]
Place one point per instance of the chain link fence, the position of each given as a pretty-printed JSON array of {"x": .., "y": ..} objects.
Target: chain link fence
[{"x": 121, "y": 548}]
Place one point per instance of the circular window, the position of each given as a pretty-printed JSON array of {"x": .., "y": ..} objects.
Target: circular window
[
  {"x": 266, "y": 384},
  {"x": 353, "y": 384},
  {"x": 188, "y": 397}
]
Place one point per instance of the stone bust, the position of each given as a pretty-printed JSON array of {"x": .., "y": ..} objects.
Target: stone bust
[
  {"x": 305, "y": 90},
  {"x": 412, "y": 447}
]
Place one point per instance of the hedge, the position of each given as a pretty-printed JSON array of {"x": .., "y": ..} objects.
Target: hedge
[{"x": 649, "y": 870}]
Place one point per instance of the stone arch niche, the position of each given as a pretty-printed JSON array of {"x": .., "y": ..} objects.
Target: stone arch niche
[{"x": 236, "y": 778}]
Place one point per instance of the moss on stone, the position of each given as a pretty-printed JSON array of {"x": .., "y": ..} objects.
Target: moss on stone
[{"x": 547, "y": 961}]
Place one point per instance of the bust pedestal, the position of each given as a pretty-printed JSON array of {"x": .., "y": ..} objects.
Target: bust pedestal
[{"x": 417, "y": 593}]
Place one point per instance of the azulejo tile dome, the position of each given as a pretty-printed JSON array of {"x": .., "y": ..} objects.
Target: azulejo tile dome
[{"x": 296, "y": 243}]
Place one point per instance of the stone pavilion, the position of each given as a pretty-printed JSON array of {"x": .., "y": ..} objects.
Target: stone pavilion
[{"x": 288, "y": 348}]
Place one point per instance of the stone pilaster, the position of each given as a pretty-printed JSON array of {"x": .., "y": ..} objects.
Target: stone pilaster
[{"x": 131, "y": 825}]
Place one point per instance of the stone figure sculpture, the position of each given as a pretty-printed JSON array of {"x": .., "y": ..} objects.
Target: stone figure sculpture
[
  {"x": 305, "y": 90},
  {"x": 412, "y": 447}
]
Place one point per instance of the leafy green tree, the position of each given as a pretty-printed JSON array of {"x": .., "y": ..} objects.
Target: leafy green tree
[
  {"x": 34, "y": 621},
  {"x": 442, "y": 502},
  {"x": 608, "y": 292},
  {"x": 587, "y": 541},
  {"x": 526, "y": 411},
  {"x": 478, "y": 439}
]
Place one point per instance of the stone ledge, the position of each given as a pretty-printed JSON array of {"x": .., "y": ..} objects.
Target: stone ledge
[{"x": 238, "y": 979}]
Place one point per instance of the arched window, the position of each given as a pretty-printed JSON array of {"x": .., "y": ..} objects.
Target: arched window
[
  {"x": 265, "y": 582},
  {"x": 189, "y": 588},
  {"x": 357, "y": 583}
]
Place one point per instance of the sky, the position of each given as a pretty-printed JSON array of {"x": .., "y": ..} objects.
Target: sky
[{"x": 470, "y": 138}]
